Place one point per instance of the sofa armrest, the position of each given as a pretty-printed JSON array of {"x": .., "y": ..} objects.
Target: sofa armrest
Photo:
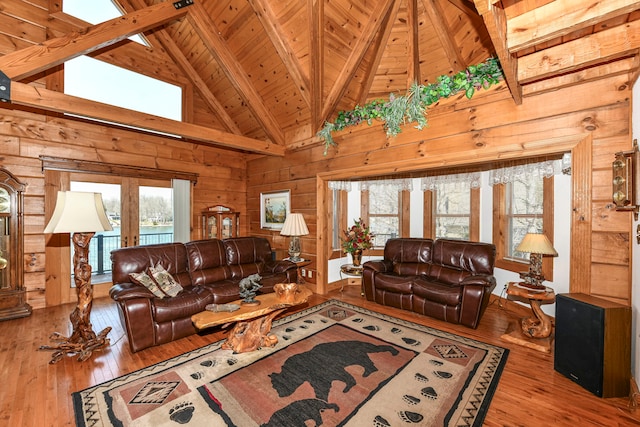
[
  {"x": 126, "y": 291},
  {"x": 486, "y": 280},
  {"x": 379, "y": 265},
  {"x": 280, "y": 266}
]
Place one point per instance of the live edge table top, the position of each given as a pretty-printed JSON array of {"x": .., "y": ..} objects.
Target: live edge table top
[{"x": 268, "y": 303}]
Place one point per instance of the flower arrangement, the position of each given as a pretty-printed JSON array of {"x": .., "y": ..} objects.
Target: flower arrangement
[{"x": 357, "y": 237}]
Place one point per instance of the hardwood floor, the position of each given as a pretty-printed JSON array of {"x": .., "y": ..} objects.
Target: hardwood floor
[{"x": 35, "y": 393}]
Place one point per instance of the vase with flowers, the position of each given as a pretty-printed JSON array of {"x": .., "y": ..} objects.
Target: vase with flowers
[{"x": 357, "y": 239}]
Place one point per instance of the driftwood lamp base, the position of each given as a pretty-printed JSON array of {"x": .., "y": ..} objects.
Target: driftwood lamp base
[{"x": 83, "y": 341}]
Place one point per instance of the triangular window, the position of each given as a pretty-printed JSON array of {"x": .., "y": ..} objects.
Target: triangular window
[{"x": 95, "y": 12}]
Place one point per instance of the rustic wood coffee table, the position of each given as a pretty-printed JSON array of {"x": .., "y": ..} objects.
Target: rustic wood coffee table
[{"x": 252, "y": 322}]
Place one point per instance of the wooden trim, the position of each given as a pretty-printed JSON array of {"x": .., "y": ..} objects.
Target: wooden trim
[
  {"x": 405, "y": 213},
  {"x": 500, "y": 226},
  {"x": 474, "y": 215},
  {"x": 85, "y": 166},
  {"x": 428, "y": 221}
]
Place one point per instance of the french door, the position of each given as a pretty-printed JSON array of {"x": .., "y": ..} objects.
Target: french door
[{"x": 139, "y": 210}]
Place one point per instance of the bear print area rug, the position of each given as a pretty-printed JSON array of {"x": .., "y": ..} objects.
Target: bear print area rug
[{"x": 334, "y": 365}]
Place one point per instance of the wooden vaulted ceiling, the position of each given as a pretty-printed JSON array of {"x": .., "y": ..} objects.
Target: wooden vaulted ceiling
[{"x": 267, "y": 74}]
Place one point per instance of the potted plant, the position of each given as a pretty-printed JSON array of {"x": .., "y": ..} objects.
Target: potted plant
[{"x": 357, "y": 239}]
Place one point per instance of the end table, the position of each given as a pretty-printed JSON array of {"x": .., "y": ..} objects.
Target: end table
[
  {"x": 533, "y": 332},
  {"x": 354, "y": 275}
]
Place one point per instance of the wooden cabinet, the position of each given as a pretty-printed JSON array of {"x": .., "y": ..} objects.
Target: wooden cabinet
[
  {"x": 219, "y": 222},
  {"x": 13, "y": 296}
]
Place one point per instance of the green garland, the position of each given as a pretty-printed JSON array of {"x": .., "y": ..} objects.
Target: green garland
[{"x": 412, "y": 107}]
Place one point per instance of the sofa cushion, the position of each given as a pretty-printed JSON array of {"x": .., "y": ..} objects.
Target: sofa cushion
[
  {"x": 411, "y": 268},
  {"x": 207, "y": 262},
  {"x": 246, "y": 255},
  {"x": 437, "y": 292},
  {"x": 134, "y": 259},
  {"x": 192, "y": 300},
  {"x": 474, "y": 257},
  {"x": 408, "y": 250},
  {"x": 394, "y": 283},
  {"x": 224, "y": 291}
]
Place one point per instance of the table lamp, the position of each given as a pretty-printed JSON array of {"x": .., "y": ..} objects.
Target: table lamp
[
  {"x": 295, "y": 227},
  {"x": 82, "y": 214},
  {"x": 536, "y": 244}
]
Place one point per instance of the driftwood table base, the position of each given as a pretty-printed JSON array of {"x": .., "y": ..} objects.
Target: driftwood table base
[{"x": 252, "y": 324}]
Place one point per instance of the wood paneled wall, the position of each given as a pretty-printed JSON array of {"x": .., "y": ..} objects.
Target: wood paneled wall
[
  {"x": 591, "y": 119},
  {"x": 25, "y": 136}
]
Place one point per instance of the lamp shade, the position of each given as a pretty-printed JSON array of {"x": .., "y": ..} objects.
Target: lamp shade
[
  {"x": 294, "y": 225},
  {"x": 78, "y": 212},
  {"x": 536, "y": 243}
]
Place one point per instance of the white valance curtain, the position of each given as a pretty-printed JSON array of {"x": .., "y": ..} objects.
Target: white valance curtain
[
  {"x": 461, "y": 180},
  {"x": 397, "y": 184},
  {"x": 529, "y": 171},
  {"x": 504, "y": 175}
]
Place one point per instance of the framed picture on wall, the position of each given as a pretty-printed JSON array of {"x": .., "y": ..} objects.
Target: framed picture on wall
[{"x": 274, "y": 208}]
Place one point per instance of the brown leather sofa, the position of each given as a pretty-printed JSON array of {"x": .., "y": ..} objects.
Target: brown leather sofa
[
  {"x": 450, "y": 280},
  {"x": 209, "y": 272}
]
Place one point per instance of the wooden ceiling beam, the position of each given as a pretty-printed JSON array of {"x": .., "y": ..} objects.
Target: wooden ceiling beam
[
  {"x": 315, "y": 12},
  {"x": 270, "y": 23},
  {"x": 217, "y": 46},
  {"x": 495, "y": 21},
  {"x": 381, "y": 43},
  {"x": 561, "y": 17},
  {"x": 358, "y": 51},
  {"x": 445, "y": 34},
  {"x": 598, "y": 48},
  {"x": 413, "y": 43},
  {"x": 37, "y": 58},
  {"x": 48, "y": 100}
]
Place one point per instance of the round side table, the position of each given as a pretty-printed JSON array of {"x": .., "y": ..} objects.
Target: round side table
[{"x": 354, "y": 272}]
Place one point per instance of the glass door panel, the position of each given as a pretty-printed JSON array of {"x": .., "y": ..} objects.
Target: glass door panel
[{"x": 155, "y": 215}]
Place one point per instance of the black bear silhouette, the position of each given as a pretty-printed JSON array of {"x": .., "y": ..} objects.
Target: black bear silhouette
[
  {"x": 296, "y": 413},
  {"x": 334, "y": 358}
]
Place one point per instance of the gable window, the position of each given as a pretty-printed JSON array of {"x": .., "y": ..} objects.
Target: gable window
[
  {"x": 522, "y": 203},
  {"x": 452, "y": 206},
  {"x": 96, "y": 80}
]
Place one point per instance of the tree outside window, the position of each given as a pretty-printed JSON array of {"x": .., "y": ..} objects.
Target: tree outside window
[
  {"x": 452, "y": 211},
  {"x": 384, "y": 209},
  {"x": 524, "y": 210}
]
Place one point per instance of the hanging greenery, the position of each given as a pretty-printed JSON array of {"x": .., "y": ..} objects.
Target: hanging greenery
[{"x": 412, "y": 107}]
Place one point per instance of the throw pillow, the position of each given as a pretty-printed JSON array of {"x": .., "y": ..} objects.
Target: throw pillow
[
  {"x": 145, "y": 280},
  {"x": 165, "y": 280}
]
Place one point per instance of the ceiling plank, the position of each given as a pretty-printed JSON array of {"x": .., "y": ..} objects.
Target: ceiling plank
[
  {"x": 355, "y": 57},
  {"x": 561, "y": 17},
  {"x": 37, "y": 58},
  {"x": 287, "y": 55},
  {"x": 495, "y": 21},
  {"x": 212, "y": 38},
  {"x": 445, "y": 34},
  {"x": 607, "y": 45},
  {"x": 316, "y": 52},
  {"x": 48, "y": 100}
]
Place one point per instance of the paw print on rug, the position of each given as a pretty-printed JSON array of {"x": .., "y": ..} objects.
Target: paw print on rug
[{"x": 182, "y": 412}]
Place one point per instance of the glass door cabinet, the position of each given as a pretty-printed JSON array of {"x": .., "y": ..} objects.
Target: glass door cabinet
[
  {"x": 13, "y": 295},
  {"x": 220, "y": 222}
]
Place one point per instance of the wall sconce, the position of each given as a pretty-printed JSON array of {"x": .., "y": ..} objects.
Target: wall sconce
[{"x": 626, "y": 191}]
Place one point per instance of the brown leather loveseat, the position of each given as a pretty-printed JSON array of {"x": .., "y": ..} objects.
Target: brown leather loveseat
[
  {"x": 450, "y": 280},
  {"x": 209, "y": 272}
]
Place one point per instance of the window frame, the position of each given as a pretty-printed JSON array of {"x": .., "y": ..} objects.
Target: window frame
[
  {"x": 429, "y": 223},
  {"x": 404, "y": 209},
  {"x": 501, "y": 222}
]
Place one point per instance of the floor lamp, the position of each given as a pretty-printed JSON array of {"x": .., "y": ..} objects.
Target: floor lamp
[{"x": 82, "y": 214}]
